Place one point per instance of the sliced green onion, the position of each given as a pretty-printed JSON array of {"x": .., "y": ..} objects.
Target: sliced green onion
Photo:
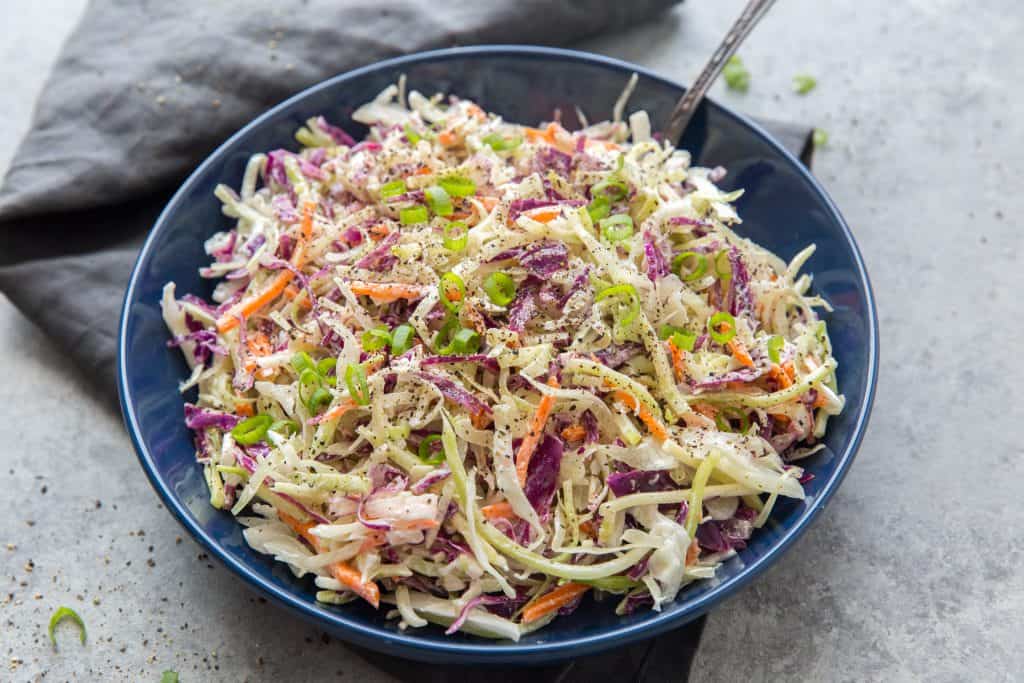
[
  {"x": 302, "y": 361},
  {"x": 617, "y": 227},
  {"x": 598, "y": 208},
  {"x": 428, "y": 454},
  {"x": 412, "y": 136},
  {"x": 736, "y": 75},
  {"x": 500, "y": 144},
  {"x": 393, "y": 189},
  {"x": 632, "y": 302},
  {"x": 439, "y": 200},
  {"x": 442, "y": 340},
  {"x": 286, "y": 427},
  {"x": 169, "y": 677},
  {"x": 456, "y": 236},
  {"x": 803, "y": 84},
  {"x": 251, "y": 430},
  {"x": 402, "y": 338},
  {"x": 466, "y": 341},
  {"x": 716, "y": 321},
  {"x": 413, "y": 214},
  {"x": 775, "y": 344},
  {"x": 680, "y": 338},
  {"x": 355, "y": 380},
  {"x": 458, "y": 186},
  {"x": 500, "y": 288},
  {"x": 724, "y": 418},
  {"x": 612, "y": 189},
  {"x": 376, "y": 339},
  {"x": 60, "y": 615},
  {"x": 723, "y": 268},
  {"x": 324, "y": 366},
  {"x": 691, "y": 273},
  {"x": 310, "y": 378},
  {"x": 452, "y": 291},
  {"x": 320, "y": 398},
  {"x": 819, "y": 137}
]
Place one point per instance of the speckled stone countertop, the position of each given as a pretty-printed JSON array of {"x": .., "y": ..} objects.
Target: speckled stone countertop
[{"x": 913, "y": 572}]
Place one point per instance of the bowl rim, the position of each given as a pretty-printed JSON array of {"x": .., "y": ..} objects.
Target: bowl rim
[{"x": 410, "y": 645}]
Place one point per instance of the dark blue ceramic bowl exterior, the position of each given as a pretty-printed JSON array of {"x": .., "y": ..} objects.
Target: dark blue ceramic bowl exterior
[{"x": 783, "y": 208}]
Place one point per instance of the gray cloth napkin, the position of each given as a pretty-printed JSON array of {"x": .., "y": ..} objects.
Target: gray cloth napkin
[{"x": 144, "y": 90}]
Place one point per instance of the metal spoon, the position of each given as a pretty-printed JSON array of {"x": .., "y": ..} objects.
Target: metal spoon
[{"x": 687, "y": 104}]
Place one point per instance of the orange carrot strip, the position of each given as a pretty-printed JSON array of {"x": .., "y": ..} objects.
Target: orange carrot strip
[
  {"x": 739, "y": 352},
  {"x": 379, "y": 232},
  {"x": 692, "y": 553},
  {"x": 655, "y": 427},
  {"x": 229, "y": 320},
  {"x": 544, "y": 215},
  {"x": 386, "y": 292},
  {"x": 344, "y": 573},
  {"x": 501, "y": 510},
  {"x": 574, "y": 433},
  {"x": 589, "y": 528},
  {"x": 532, "y": 438},
  {"x": 553, "y": 600},
  {"x": 820, "y": 400},
  {"x": 415, "y": 524},
  {"x": 446, "y": 138},
  {"x": 534, "y": 134},
  {"x": 489, "y": 202},
  {"x": 335, "y": 412},
  {"x": 678, "y": 364},
  {"x": 705, "y": 410},
  {"x": 353, "y": 580},
  {"x": 781, "y": 376},
  {"x": 244, "y": 409},
  {"x": 423, "y": 170}
]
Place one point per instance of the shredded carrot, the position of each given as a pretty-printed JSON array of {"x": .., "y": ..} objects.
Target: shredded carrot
[
  {"x": 534, "y": 134},
  {"x": 820, "y": 400},
  {"x": 229, "y": 320},
  {"x": 447, "y": 138},
  {"x": 379, "y": 232},
  {"x": 342, "y": 571},
  {"x": 780, "y": 376},
  {"x": 353, "y": 580},
  {"x": 335, "y": 412},
  {"x": 502, "y": 510},
  {"x": 386, "y": 292},
  {"x": 655, "y": 427},
  {"x": 532, "y": 438},
  {"x": 678, "y": 363},
  {"x": 292, "y": 292},
  {"x": 553, "y": 600},
  {"x": 423, "y": 170},
  {"x": 576, "y": 432},
  {"x": 415, "y": 524},
  {"x": 480, "y": 420},
  {"x": 476, "y": 112},
  {"x": 544, "y": 215},
  {"x": 692, "y": 553},
  {"x": 588, "y": 528},
  {"x": 783, "y": 420},
  {"x": 739, "y": 352},
  {"x": 789, "y": 370},
  {"x": 705, "y": 410},
  {"x": 244, "y": 409},
  {"x": 489, "y": 202}
]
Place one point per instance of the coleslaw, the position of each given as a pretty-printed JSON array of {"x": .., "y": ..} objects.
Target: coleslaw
[{"x": 478, "y": 371}]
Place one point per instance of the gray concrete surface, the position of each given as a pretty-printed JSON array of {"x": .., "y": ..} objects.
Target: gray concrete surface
[{"x": 913, "y": 573}]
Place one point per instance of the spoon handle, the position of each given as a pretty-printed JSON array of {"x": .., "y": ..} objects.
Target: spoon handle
[{"x": 687, "y": 104}]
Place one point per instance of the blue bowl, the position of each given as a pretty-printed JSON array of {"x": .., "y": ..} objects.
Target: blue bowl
[{"x": 784, "y": 208}]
